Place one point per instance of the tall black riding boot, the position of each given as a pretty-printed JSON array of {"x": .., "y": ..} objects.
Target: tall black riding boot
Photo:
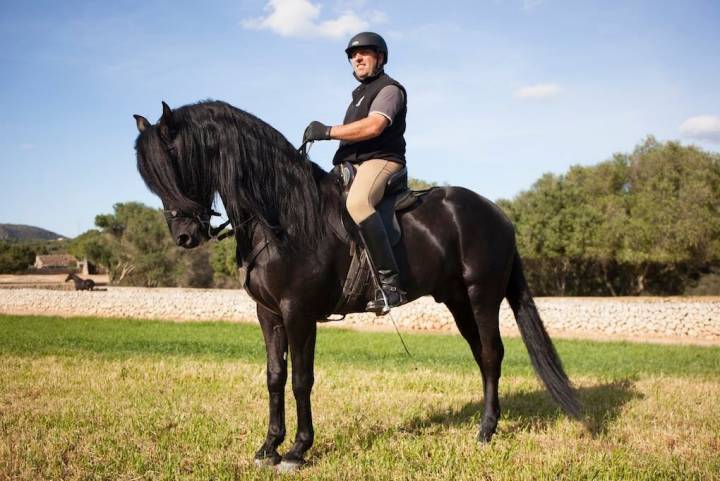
[{"x": 377, "y": 245}]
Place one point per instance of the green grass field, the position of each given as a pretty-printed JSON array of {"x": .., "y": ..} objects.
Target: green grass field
[{"x": 87, "y": 398}]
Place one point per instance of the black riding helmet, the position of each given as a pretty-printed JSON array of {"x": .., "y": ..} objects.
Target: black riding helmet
[{"x": 369, "y": 40}]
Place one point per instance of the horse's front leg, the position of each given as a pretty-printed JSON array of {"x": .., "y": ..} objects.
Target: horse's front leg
[
  {"x": 301, "y": 336},
  {"x": 276, "y": 345}
]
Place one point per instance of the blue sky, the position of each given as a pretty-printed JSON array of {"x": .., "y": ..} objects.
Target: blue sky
[{"x": 499, "y": 91}]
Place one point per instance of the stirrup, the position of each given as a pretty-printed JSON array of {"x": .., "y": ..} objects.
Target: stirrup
[{"x": 380, "y": 305}]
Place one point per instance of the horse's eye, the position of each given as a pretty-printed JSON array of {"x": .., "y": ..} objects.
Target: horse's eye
[{"x": 174, "y": 213}]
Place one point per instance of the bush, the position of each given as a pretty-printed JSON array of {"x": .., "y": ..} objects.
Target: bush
[{"x": 15, "y": 257}]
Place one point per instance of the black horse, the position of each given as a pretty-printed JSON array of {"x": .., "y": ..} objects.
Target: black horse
[
  {"x": 80, "y": 283},
  {"x": 457, "y": 246}
]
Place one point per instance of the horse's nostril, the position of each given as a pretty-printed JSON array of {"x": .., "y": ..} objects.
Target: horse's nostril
[{"x": 182, "y": 239}]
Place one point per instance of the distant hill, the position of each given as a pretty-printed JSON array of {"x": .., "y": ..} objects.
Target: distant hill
[{"x": 26, "y": 232}]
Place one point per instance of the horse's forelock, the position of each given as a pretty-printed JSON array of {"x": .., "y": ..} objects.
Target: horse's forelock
[
  {"x": 218, "y": 147},
  {"x": 158, "y": 170}
]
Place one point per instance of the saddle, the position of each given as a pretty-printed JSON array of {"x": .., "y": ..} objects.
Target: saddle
[{"x": 397, "y": 197}]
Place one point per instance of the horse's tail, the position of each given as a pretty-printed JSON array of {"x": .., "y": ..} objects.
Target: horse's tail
[{"x": 544, "y": 358}]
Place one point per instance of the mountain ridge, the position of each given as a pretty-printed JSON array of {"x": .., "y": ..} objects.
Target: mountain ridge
[{"x": 27, "y": 232}]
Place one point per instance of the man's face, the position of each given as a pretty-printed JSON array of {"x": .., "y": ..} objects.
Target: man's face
[{"x": 364, "y": 61}]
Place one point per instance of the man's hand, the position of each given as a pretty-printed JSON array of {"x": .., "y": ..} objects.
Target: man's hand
[{"x": 316, "y": 131}]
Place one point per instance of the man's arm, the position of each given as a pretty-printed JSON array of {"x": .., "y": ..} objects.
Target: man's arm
[
  {"x": 363, "y": 129},
  {"x": 386, "y": 105}
]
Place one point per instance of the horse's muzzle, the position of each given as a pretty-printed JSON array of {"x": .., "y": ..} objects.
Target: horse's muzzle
[{"x": 186, "y": 241}]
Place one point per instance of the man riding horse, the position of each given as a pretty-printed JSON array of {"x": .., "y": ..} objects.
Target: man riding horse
[
  {"x": 456, "y": 245},
  {"x": 371, "y": 138}
]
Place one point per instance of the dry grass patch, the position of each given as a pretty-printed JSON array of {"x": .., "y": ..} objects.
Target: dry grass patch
[
  {"x": 84, "y": 399},
  {"x": 166, "y": 419}
]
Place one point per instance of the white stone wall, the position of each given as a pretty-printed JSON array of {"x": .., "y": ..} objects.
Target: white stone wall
[{"x": 673, "y": 319}]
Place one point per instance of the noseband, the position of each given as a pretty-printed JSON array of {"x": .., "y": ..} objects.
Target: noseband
[{"x": 204, "y": 220}]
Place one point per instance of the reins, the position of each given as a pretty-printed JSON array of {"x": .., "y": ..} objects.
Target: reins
[
  {"x": 304, "y": 149},
  {"x": 204, "y": 220}
]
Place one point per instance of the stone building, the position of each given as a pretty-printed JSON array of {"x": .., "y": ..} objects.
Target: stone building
[{"x": 55, "y": 262}]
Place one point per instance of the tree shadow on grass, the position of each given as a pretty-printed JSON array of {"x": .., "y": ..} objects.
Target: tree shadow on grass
[{"x": 522, "y": 411}]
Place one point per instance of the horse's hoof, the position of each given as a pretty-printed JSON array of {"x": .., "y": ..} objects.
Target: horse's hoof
[
  {"x": 266, "y": 463},
  {"x": 263, "y": 460},
  {"x": 485, "y": 436},
  {"x": 289, "y": 466}
]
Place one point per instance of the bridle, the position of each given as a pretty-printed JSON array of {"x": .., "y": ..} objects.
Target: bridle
[{"x": 203, "y": 218}]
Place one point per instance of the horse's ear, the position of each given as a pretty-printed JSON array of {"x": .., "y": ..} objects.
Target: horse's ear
[
  {"x": 167, "y": 123},
  {"x": 142, "y": 123},
  {"x": 167, "y": 115}
]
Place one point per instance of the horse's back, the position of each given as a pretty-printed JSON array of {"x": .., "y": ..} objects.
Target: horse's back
[{"x": 456, "y": 236}]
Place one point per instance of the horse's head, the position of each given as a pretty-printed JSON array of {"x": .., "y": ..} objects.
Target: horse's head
[
  {"x": 168, "y": 168},
  {"x": 68, "y": 278}
]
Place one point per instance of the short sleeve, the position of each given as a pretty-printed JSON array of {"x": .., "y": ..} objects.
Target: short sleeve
[{"x": 388, "y": 102}]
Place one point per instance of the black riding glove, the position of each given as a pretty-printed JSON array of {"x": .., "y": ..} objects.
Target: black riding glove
[{"x": 316, "y": 131}]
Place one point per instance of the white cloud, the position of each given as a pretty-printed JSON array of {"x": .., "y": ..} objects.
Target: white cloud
[
  {"x": 540, "y": 91},
  {"x": 300, "y": 18},
  {"x": 702, "y": 127},
  {"x": 377, "y": 16},
  {"x": 27, "y": 146},
  {"x": 529, "y": 5}
]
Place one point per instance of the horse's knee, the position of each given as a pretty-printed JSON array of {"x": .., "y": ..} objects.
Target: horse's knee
[
  {"x": 302, "y": 384},
  {"x": 276, "y": 379}
]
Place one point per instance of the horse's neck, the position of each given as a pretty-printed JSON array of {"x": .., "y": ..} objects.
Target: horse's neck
[{"x": 253, "y": 238}]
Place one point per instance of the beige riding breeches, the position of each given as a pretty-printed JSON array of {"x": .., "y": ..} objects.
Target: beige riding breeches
[{"x": 368, "y": 187}]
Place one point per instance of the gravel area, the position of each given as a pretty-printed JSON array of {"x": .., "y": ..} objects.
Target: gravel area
[{"x": 674, "y": 319}]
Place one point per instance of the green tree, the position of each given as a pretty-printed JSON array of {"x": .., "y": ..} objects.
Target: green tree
[
  {"x": 419, "y": 184},
  {"x": 94, "y": 246},
  {"x": 143, "y": 252},
  {"x": 222, "y": 257},
  {"x": 674, "y": 210},
  {"x": 223, "y": 261},
  {"x": 194, "y": 269},
  {"x": 15, "y": 257},
  {"x": 642, "y": 222}
]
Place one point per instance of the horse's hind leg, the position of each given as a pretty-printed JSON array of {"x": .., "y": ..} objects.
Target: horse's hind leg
[
  {"x": 486, "y": 307},
  {"x": 477, "y": 321}
]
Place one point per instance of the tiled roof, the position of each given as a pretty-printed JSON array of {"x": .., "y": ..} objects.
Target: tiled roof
[{"x": 57, "y": 260}]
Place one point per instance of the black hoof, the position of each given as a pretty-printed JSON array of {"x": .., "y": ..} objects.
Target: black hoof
[
  {"x": 291, "y": 461},
  {"x": 290, "y": 466},
  {"x": 265, "y": 458},
  {"x": 485, "y": 435}
]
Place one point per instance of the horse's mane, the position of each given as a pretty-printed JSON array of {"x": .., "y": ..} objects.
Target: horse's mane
[{"x": 216, "y": 147}]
